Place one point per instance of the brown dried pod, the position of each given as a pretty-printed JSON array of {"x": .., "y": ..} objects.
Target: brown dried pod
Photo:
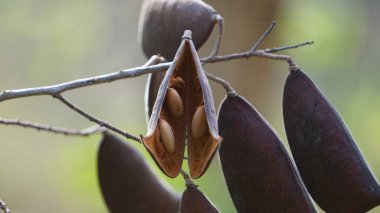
[
  {"x": 128, "y": 183},
  {"x": 193, "y": 200},
  {"x": 330, "y": 163},
  {"x": 187, "y": 78},
  {"x": 260, "y": 175},
  {"x": 162, "y": 23}
]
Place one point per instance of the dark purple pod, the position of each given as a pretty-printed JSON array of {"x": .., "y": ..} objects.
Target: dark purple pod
[
  {"x": 260, "y": 174},
  {"x": 162, "y": 23},
  {"x": 128, "y": 183},
  {"x": 329, "y": 161},
  {"x": 194, "y": 201}
]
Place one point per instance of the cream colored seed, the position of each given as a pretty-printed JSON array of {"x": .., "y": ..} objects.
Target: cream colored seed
[
  {"x": 166, "y": 135},
  {"x": 174, "y": 102},
  {"x": 199, "y": 125}
]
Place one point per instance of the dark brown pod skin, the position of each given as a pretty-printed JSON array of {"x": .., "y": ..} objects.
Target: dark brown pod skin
[
  {"x": 259, "y": 173},
  {"x": 128, "y": 183},
  {"x": 194, "y": 201},
  {"x": 151, "y": 91},
  {"x": 329, "y": 161},
  {"x": 162, "y": 23}
]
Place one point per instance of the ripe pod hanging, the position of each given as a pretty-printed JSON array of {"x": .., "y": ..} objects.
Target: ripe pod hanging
[
  {"x": 187, "y": 78},
  {"x": 162, "y": 23},
  {"x": 193, "y": 200},
  {"x": 127, "y": 182},
  {"x": 330, "y": 163},
  {"x": 259, "y": 173}
]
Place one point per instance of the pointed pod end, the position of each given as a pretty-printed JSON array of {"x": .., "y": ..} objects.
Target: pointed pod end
[{"x": 187, "y": 35}]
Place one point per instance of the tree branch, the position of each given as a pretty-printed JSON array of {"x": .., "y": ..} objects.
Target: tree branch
[
  {"x": 3, "y": 206},
  {"x": 142, "y": 70},
  {"x": 96, "y": 120},
  {"x": 48, "y": 128}
]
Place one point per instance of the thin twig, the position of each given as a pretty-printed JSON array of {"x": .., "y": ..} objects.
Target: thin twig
[
  {"x": 3, "y": 206},
  {"x": 263, "y": 37},
  {"x": 220, "y": 21},
  {"x": 48, "y": 128},
  {"x": 96, "y": 120},
  {"x": 227, "y": 86},
  {"x": 189, "y": 183},
  {"x": 274, "y": 50},
  {"x": 138, "y": 71}
]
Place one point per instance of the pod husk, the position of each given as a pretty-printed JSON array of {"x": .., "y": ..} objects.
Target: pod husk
[
  {"x": 128, "y": 183},
  {"x": 330, "y": 163},
  {"x": 162, "y": 23},
  {"x": 260, "y": 175},
  {"x": 193, "y": 200},
  {"x": 187, "y": 77}
]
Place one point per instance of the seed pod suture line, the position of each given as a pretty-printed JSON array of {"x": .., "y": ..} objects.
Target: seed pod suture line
[
  {"x": 329, "y": 161},
  {"x": 127, "y": 182},
  {"x": 193, "y": 200},
  {"x": 187, "y": 78},
  {"x": 260, "y": 175}
]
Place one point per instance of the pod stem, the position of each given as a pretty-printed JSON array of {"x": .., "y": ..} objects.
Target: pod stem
[
  {"x": 220, "y": 21},
  {"x": 227, "y": 86},
  {"x": 188, "y": 182}
]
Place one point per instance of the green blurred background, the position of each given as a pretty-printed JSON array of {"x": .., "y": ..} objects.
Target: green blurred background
[{"x": 49, "y": 42}]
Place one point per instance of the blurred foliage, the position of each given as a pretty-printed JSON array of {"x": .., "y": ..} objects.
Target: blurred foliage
[{"x": 48, "y": 42}]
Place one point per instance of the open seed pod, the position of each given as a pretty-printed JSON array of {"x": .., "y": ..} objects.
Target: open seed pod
[
  {"x": 162, "y": 23},
  {"x": 330, "y": 163},
  {"x": 193, "y": 200},
  {"x": 183, "y": 111},
  {"x": 260, "y": 175},
  {"x": 128, "y": 183}
]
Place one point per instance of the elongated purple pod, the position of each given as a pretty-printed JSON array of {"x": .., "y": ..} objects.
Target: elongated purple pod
[
  {"x": 194, "y": 201},
  {"x": 260, "y": 175},
  {"x": 128, "y": 183},
  {"x": 330, "y": 163}
]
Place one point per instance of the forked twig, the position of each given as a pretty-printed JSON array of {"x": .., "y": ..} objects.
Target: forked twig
[
  {"x": 96, "y": 120},
  {"x": 263, "y": 37},
  {"x": 48, "y": 128}
]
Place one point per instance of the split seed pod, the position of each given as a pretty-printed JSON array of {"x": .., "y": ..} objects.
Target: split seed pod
[
  {"x": 193, "y": 200},
  {"x": 162, "y": 23},
  {"x": 330, "y": 163},
  {"x": 260, "y": 175},
  {"x": 187, "y": 78},
  {"x": 128, "y": 183}
]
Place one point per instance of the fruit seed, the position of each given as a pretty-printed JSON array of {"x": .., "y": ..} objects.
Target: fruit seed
[
  {"x": 174, "y": 102},
  {"x": 166, "y": 135},
  {"x": 199, "y": 125}
]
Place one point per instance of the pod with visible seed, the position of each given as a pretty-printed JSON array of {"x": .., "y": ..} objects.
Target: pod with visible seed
[
  {"x": 187, "y": 77},
  {"x": 193, "y": 200},
  {"x": 260, "y": 175},
  {"x": 174, "y": 102},
  {"x": 330, "y": 163},
  {"x": 127, "y": 182},
  {"x": 162, "y": 23},
  {"x": 166, "y": 135}
]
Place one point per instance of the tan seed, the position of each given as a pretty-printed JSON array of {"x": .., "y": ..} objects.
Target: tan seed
[
  {"x": 174, "y": 102},
  {"x": 166, "y": 135},
  {"x": 199, "y": 124}
]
